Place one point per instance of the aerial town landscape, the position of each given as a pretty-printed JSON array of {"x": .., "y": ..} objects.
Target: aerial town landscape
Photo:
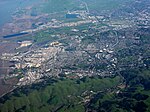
[{"x": 80, "y": 56}]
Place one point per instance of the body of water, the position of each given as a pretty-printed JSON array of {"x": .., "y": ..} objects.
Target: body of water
[
  {"x": 8, "y": 7},
  {"x": 15, "y": 35}
]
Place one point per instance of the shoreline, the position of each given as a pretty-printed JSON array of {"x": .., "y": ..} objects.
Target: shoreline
[{"x": 6, "y": 47}]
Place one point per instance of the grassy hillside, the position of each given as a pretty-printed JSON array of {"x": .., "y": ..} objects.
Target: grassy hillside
[
  {"x": 61, "y": 95},
  {"x": 78, "y": 95}
]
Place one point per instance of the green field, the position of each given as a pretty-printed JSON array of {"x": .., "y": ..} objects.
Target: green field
[
  {"x": 100, "y": 5},
  {"x": 52, "y": 6}
]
